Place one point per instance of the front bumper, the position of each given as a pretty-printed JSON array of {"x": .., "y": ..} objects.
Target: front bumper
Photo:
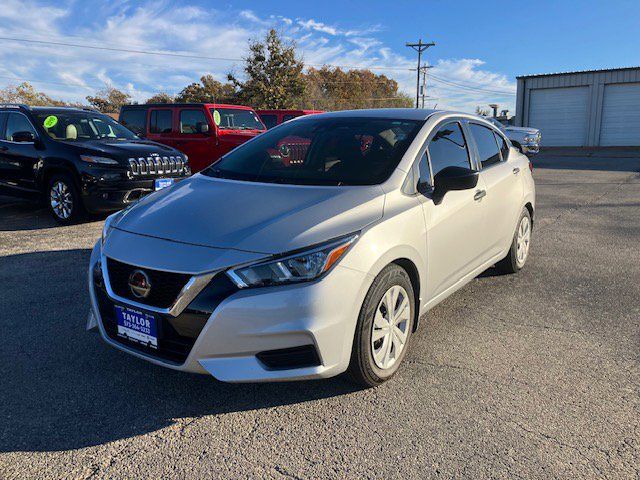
[
  {"x": 108, "y": 190},
  {"x": 244, "y": 326}
]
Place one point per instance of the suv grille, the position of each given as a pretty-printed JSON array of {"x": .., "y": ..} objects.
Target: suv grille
[
  {"x": 157, "y": 165},
  {"x": 165, "y": 286}
]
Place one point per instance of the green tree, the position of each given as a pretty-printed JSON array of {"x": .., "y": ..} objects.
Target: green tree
[
  {"x": 109, "y": 100},
  {"x": 27, "y": 94},
  {"x": 160, "y": 97},
  {"x": 208, "y": 90},
  {"x": 336, "y": 89},
  {"x": 274, "y": 77}
]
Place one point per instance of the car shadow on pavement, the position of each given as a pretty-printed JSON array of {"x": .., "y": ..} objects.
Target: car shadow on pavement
[{"x": 63, "y": 388}]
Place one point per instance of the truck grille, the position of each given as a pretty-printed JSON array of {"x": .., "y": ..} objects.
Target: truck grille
[{"x": 156, "y": 165}]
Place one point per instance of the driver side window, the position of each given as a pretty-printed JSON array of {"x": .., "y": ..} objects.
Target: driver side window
[
  {"x": 448, "y": 148},
  {"x": 17, "y": 122}
]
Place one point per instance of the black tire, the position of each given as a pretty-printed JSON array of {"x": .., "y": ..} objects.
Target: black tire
[
  {"x": 362, "y": 367},
  {"x": 510, "y": 263},
  {"x": 76, "y": 211}
]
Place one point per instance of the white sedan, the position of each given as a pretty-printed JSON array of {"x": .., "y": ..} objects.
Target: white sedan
[{"x": 260, "y": 268}]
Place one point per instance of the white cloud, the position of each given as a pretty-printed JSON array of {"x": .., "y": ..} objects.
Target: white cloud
[{"x": 160, "y": 26}]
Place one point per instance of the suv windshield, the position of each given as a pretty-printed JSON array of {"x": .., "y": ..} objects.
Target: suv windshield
[
  {"x": 237, "y": 119},
  {"x": 321, "y": 151},
  {"x": 76, "y": 126}
]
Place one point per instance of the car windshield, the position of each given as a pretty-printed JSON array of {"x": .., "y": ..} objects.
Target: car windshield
[
  {"x": 321, "y": 151},
  {"x": 237, "y": 119},
  {"x": 81, "y": 126}
]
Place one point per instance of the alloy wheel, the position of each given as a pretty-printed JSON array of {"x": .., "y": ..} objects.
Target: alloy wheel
[
  {"x": 390, "y": 328},
  {"x": 61, "y": 200},
  {"x": 522, "y": 240}
]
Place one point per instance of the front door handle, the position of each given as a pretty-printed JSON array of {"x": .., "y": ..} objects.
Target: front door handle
[
  {"x": 516, "y": 170},
  {"x": 479, "y": 194}
]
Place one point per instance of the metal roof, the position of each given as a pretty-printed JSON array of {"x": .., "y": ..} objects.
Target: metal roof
[{"x": 578, "y": 71}]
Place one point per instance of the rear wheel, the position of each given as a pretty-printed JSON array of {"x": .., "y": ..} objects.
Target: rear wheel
[
  {"x": 519, "y": 251},
  {"x": 63, "y": 199},
  {"x": 384, "y": 327}
]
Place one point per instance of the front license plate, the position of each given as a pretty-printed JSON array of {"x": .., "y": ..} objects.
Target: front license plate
[
  {"x": 137, "y": 326},
  {"x": 163, "y": 183}
]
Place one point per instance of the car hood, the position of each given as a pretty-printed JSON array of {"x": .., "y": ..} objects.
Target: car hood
[
  {"x": 123, "y": 148},
  {"x": 525, "y": 130},
  {"x": 253, "y": 217}
]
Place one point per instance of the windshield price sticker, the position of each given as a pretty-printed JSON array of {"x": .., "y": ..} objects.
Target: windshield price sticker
[{"x": 51, "y": 121}]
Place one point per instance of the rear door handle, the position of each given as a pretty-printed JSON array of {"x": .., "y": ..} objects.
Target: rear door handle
[
  {"x": 516, "y": 170},
  {"x": 479, "y": 194}
]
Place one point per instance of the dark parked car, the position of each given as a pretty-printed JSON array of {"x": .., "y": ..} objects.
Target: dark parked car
[{"x": 80, "y": 160}]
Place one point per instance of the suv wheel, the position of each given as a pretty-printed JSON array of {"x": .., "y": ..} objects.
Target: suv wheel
[
  {"x": 384, "y": 327},
  {"x": 63, "y": 199}
]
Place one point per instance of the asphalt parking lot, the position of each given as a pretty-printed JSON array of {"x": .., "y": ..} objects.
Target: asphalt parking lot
[{"x": 528, "y": 376}]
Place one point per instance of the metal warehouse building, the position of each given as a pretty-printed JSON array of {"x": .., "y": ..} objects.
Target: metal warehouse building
[{"x": 582, "y": 109}]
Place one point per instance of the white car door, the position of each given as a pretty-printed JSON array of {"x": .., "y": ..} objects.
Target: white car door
[
  {"x": 455, "y": 227},
  {"x": 504, "y": 190}
]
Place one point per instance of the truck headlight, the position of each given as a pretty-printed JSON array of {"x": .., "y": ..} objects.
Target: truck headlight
[{"x": 293, "y": 268}]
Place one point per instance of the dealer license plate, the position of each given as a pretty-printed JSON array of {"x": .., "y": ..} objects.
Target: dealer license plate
[
  {"x": 137, "y": 326},
  {"x": 163, "y": 183}
]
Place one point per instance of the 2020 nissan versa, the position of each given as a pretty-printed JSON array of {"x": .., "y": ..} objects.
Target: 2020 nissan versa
[{"x": 261, "y": 268}]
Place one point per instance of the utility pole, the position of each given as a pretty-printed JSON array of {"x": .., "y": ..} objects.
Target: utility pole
[
  {"x": 419, "y": 47},
  {"x": 423, "y": 89}
]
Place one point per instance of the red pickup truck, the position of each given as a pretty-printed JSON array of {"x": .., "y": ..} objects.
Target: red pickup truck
[
  {"x": 271, "y": 118},
  {"x": 203, "y": 131}
]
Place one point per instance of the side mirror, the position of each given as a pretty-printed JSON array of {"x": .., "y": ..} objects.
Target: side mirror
[
  {"x": 23, "y": 137},
  {"x": 453, "y": 178},
  {"x": 203, "y": 128}
]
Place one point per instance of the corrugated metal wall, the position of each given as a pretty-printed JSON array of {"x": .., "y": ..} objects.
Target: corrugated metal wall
[{"x": 596, "y": 81}]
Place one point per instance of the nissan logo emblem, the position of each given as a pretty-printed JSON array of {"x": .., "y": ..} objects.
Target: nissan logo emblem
[{"x": 139, "y": 284}]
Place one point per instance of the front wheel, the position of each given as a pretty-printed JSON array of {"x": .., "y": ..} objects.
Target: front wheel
[
  {"x": 63, "y": 199},
  {"x": 384, "y": 327},
  {"x": 519, "y": 251}
]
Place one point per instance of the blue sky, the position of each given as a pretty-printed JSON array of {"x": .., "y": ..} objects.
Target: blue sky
[{"x": 481, "y": 46}]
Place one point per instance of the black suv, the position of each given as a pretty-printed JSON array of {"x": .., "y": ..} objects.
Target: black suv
[{"x": 80, "y": 160}]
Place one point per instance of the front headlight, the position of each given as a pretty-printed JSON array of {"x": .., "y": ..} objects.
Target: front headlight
[
  {"x": 300, "y": 267},
  {"x": 106, "y": 229},
  {"x": 98, "y": 160}
]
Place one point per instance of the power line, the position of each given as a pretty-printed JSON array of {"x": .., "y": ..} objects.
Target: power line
[
  {"x": 184, "y": 55},
  {"x": 469, "y": 87}
]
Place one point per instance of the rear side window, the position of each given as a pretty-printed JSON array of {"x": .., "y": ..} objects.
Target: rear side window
[
  {"x": 270, "y": 121},
  {"x": 192, "y": 121},
  {"x": 487, "y": 146},
  {"x": 135, "y": 120},
  {"x": 16, "y": 122},
  {"x": 448, "y": 148},
  {"x": 504, "y": 146},
  {"x": 160, "y": 121}
]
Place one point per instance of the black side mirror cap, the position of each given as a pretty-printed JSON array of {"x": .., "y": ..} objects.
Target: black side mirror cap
[
  {"x": 23, "y": 137},
  {"x": 453, "y": 178}
]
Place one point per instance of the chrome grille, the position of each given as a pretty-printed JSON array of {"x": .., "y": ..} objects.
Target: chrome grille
[
  {"x": 297, "y": 152},
  {"x": 155, "y": 165}
]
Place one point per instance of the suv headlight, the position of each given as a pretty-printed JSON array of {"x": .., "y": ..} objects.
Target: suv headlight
[
  {"x": 98, "y": 160},
  {"x": 294, "y": 268}
]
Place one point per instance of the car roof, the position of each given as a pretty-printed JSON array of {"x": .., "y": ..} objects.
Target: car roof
[
  {"x": 180, "y": 105},
  {"x": 395, "y": 113}
]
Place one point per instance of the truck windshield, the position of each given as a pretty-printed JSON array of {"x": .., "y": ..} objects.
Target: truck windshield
[
  {"x": 321, "y": 151},
  {"x": 237, "y": 119},
  {"x": 81, "y": 126}
]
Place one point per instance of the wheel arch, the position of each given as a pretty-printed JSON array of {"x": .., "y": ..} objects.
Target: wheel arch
[
  {"x": 414, "y": 277},
  {"x": 50, "y": 169}
]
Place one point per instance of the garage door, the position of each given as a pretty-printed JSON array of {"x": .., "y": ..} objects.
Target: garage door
[
  {"x": 561, "y": 114},
  {"x": 620, "y": 123}
]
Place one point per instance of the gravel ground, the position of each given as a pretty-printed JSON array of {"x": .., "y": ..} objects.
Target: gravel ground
[{"x": 534, "y": 375}]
